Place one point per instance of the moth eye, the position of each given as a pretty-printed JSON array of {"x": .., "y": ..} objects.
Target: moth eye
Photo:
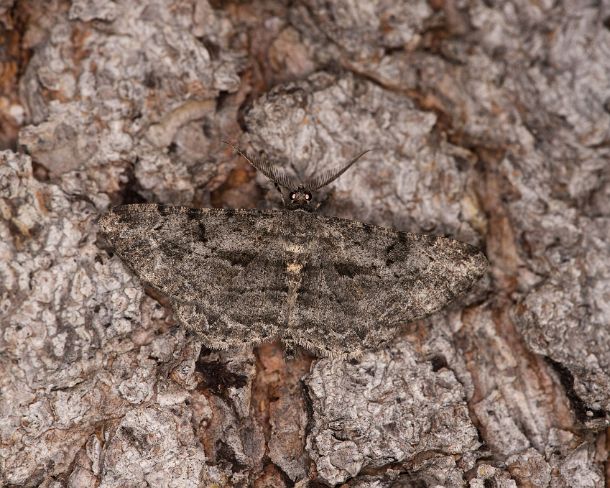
[
  {"x": 292, "y": 195},
  {"x": 307, "y": 196}
]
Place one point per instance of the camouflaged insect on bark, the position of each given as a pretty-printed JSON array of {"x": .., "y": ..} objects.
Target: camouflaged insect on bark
[{"x": 333, "y": 286}]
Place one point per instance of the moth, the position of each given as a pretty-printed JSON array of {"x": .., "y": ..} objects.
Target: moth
[{"x": 238, "y": 277}]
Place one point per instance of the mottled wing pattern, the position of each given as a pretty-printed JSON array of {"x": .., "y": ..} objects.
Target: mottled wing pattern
[
  {"x": 244, "y": 276},
  {"x": 362, "y": 281},
  {"x": 222, "y": 270}
]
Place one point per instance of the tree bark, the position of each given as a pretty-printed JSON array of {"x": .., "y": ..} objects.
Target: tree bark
[{"x": 490, "y": 123}]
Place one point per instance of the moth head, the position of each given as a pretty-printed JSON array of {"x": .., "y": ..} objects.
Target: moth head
[{"x": 300, "y": 195}]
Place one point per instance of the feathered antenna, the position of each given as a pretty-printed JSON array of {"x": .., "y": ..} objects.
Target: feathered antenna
[
  {"x": 331, "y": 175},
  {"x": 271, "y": 171},
  {"x": 300, "y": 196}
]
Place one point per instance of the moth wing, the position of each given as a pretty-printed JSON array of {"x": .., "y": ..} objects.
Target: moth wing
[
  {"x": 334, "y": 286},
  {"x": 222, "y": 270},
  {"x": 363, "y": 281}
]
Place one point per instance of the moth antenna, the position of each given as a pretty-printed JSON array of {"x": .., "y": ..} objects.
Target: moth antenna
[
  {"x": 298, "y": 175},
  {"x": 330, "y": 175},
  {"x": 268, "y": 169}
]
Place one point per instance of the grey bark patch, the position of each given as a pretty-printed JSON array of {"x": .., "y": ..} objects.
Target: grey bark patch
[
  {"x": 335, "y": 286},
  {"x": 389, "y": 407}
]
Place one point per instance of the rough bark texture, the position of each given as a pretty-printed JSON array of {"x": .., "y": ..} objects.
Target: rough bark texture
[{"x": 492, "y": 124}]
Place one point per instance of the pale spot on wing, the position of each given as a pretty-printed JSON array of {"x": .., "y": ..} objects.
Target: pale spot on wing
[
  {"x": 296, "y": 248},
  {"x": 294, "y": 268}
]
